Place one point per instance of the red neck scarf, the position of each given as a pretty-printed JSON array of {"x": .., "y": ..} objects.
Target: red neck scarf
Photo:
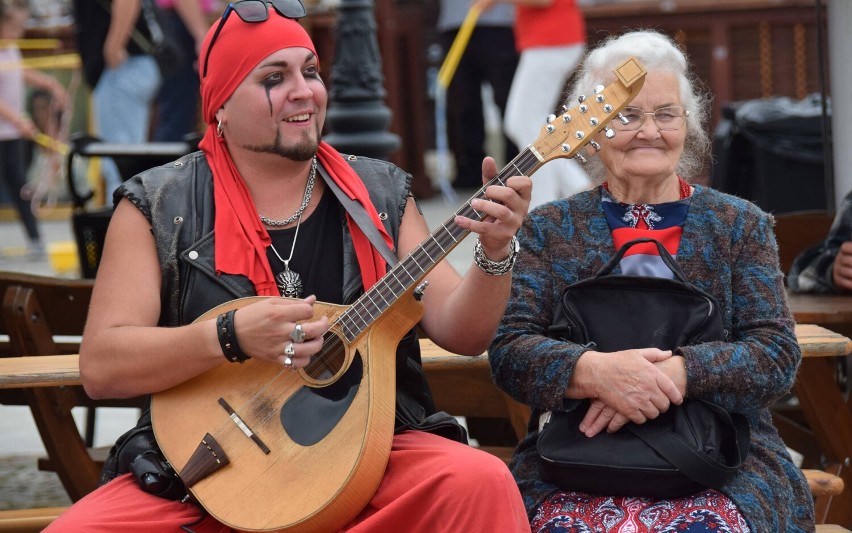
[{"x": 241, "y": 239}]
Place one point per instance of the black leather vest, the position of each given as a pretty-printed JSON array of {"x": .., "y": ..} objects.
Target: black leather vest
[{"x": 177, "y": 199}]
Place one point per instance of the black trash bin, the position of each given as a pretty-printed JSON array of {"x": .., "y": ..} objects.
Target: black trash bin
[{"x": 770, "y": 151}]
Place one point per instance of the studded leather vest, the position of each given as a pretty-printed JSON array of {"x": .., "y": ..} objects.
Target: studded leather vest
[{"x": 177, "y": 199}]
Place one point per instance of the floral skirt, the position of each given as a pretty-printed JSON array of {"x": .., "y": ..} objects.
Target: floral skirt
[{"x": 578, "y": 512}]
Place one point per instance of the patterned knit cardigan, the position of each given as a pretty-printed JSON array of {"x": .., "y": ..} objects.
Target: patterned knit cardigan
[{"x": 728, "y": 249}]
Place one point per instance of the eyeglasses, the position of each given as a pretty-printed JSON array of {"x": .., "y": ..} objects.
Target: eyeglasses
[
  {"x": 255, "y": 11},
  {"x": 666, "y": 118}
]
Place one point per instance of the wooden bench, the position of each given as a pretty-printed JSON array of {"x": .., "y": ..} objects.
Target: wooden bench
[
  {"x": 28, "y": 520},
  {"x": 35, "y": 309},
  {"x": 448, "y": 374}
]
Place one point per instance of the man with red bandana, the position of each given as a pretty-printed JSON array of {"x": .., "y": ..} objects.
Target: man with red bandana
[{"x": 267, "y": 208}]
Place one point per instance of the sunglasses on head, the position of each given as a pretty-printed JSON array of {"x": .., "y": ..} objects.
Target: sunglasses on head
[{"x": 255, "y": 11}]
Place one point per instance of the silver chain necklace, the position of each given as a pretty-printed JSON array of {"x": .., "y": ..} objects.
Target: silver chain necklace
[
  {"x": 289, "y": 282},
  {"x": 309, "y": 189}
]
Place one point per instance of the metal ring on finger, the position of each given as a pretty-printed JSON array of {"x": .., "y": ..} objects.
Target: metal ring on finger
[
  {"x": 298, "y": 334},
  {"x": 289, "y": 353},
  {"x": 290, "y": 349}
]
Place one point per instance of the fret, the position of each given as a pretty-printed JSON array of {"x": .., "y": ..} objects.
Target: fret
[
  {"x": 426, "y": 252},
  {"x": 520, "y": 172},
  {"x": 373, "y": 316},
  {"x": 411, "y": 256},
  {"x": 387, "y": 303},
  {"x": 395, "y": 293},
  {"x": 347, "y": 330},
  {"x": 443, "y": 250},
  {"x": 356, "y": 318},
  {"x": 392, "y": 273},
  {"x": 392, "y": 294},
  {"x": 405, "y": 269},
  {"x": 369, "y": 296}
]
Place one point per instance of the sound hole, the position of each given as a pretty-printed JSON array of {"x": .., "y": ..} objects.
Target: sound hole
[
  {"x": 310, "y": 414},
  {"x": 329, "y": 361}
]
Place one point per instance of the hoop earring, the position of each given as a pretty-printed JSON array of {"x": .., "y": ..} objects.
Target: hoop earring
[{"x": 220, "y": 130}]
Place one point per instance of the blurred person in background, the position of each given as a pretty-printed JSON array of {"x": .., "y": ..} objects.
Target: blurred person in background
[
  {"x": 187, "y": 21},
  {"x": 489, "y": 57},
  {"x": 827, "y": 267},
  {"x": 123, "y": 77},
  {"x": 16, "y": 128},
  {"x": 551, "y": 38}
]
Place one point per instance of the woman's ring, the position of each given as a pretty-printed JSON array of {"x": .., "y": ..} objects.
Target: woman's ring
[
  {"x": 289, "y": 350},
  {"x": 298, "y": 334}
]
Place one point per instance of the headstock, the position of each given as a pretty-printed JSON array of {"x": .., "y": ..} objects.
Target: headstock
[{"x": 565, "y": 134}]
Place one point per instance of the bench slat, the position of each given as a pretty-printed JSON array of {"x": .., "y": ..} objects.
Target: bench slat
[{"x": 28, "y": 520}]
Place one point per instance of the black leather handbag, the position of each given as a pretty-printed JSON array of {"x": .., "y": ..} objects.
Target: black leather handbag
[{"x": 690, "y": 447}]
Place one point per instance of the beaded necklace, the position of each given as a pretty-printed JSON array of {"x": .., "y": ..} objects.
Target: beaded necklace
[{"x": 685, "y": 190}]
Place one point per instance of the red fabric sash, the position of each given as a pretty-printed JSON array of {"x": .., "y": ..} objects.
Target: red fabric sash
[{"x": 241, "y": 239}]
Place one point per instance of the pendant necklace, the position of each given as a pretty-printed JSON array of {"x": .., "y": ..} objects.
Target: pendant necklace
[{"x": 289, "y": 282}]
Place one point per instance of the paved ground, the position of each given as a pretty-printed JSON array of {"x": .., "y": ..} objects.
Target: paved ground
[{"x": 21, "y": 484}]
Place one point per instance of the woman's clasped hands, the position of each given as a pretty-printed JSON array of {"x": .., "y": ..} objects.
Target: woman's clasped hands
[{"x": 633, "y": 385}]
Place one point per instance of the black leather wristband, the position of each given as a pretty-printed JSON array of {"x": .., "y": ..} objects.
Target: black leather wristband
[{"x": 228, "y": 337}]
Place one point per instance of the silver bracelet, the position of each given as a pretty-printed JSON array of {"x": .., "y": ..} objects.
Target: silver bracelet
[{"x": 496, "y": 268}]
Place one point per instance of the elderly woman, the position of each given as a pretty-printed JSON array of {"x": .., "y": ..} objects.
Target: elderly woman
[{"x": 726, "y": 247}]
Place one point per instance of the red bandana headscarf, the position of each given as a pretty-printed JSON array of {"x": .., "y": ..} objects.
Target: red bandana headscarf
[{"x": 237, "y": 50}]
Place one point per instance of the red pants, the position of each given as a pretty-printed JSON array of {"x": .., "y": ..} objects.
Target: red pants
[{"x": 431, "y": 485}]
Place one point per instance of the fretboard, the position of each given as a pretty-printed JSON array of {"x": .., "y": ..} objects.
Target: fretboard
[{"x": 411, "y": 270}]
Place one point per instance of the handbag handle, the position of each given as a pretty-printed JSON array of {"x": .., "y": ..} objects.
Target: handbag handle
[
  {"x": 699, "y": 467},
  {"x": 664, "y": 254}
]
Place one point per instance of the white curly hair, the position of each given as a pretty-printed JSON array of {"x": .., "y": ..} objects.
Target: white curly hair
[{"x": 658, "y": 53}]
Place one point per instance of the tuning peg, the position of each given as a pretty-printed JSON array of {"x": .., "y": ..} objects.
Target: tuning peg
[
  {"x": 594, "y": 121},
  {"x": 420, "y": 289},
  {"x": 599, "y": 89},
  {"x": 583, "y": 108},
  {"x": 594, "y": 144},
  {"x": 607, "y": 108},
  {"x": 579, "y": 157},
  {"x": 609, "y": 132},
  {"x": 550, "y": 118},
  {"x": 623, "y": 119},
  {"x": 579, "y": 135},
  {"x": 550, "y": 128},
  {"x": 581, "y": 98},
  {"x": 566, "y": 118},
  {"x": 566, "y": 148},
  {"x": 600, "y": 98}
]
